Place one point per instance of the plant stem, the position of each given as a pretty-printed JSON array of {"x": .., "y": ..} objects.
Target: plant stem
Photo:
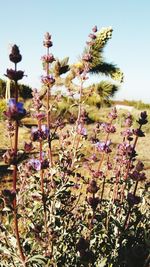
[
  {"x": 15, "y": 181},
  {"x": 42, "y": 178},
  {"x": 48, "y": 115}
]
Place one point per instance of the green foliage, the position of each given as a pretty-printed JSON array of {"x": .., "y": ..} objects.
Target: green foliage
[
  {"x": 2, "y": 108},
  {"x": 98, "y": 65},
  {"x": 25, "y": 91}
]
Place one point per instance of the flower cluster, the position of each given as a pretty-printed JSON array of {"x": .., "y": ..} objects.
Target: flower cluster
[
  {"x": 15, "y": 110},
  {"x": 48, "y": 80},
  {"x": 14, "y": 75},
  {"x": 39, "y": 134},
  {"x": 15, "y": 55},
  {"x": 47, "y": 40}
]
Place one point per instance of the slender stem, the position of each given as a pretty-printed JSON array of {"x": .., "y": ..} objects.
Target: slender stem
[
  {"x": 103, "y": 187},
  {"x": 17, "y": 234},
  {"x": 42, "y": 178},
  {"x": 127, "y": 218},
  {"x": 49, "y": 115},
  {"x": 15, "y": 182},
  {"x": 136, "y": 185},
  {"x": 77, "y": 124}
]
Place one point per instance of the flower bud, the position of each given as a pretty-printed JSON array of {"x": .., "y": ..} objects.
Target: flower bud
[{"x": 15, "y": 55}]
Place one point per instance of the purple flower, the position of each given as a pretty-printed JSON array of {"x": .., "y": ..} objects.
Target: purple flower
[
  {"x": 15, "y": 54},
  {"x": 93, "y": 202},
  {"x": 113, "y": 114},
  {"x": 104, "y": 146},
  {"x": 87, "y": 57},
  {"x": 48, "y": 80},
  {"x": 138, "y": 132},
  {"x": 48, "y": 58},
  {"x": 92, "y": 36},
  {"x": 28, "y": 147},
  {"x": 139, "y": 166},
  {"x": 92, "y": 188},
  {"x": 47, "y": 40},
  {"x": 137, "y": 176},
  {"x": 109, "y": 128},
  {"x": 42, "y": 134},
  {"x": 94, "y": 29},
  {"x": 14, "y": 75},
  {"x": 133, "y": 200},
  {"x": 128, "y": 120},
  {"x": 15, "y": 110},
  {"x": 143, "y": 118},
  {"x": 35, "y": 164},
  {"x": 81, "y": 130}
]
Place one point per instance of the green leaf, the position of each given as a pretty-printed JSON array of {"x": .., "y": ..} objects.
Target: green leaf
[
  {"x": 102, "y": 263},
  {"x": 40, "y": 259}
]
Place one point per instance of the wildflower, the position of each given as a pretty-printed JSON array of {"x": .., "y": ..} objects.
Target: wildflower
[
  {"x": 44, "y": 164},
  {"x": 104, "y": 146},
  {"x": 48, "y": 58},
  {"x": 138, "y": 132},
  {"x": 48, "y": 80},
  {"x": 14, "y": 75},
  {"x": 92, "y": 188},
  {"x": 143, "y": 118},
  {"x": 93, "y": 202},
  {"x": 139, "y": 166},
  {"x": 133, "y": 200},
  {"x": 15, "y": 110},
  {"x": 15, "y": 55},
  {"x": 47, "y": 40},
  {"x": 42, "y": 134},
  {"x": 137, "y": 176},
  {"x": 113, "y": 114},
  {"x": 87, "y": 57},
  {"x": 28, "y": 147},
  {"x": 81, "y": 130},
  {"x": 108, "y": 127},
  {"x": 92, "y": 36},
  {"x": 35, "y": 164},
  {"x": 36, "y": 99},
  {"x": 128, "y": 133},
  {"x": 128, "y": 120},
  {"x": 94, "y": 29}
]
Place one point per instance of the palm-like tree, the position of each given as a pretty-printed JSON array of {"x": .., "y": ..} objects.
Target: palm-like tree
[{"x": 102, "y": 90}]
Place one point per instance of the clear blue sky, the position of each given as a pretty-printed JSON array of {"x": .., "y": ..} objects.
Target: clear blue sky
[{"x": 24, "y": 22}]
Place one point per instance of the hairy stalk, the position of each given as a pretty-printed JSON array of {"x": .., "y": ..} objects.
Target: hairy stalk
[
  {"x": 77, "y": 124},
  {"x": 49, "y": 115},
  {"x": 15, "y": 182},
  {"x": 103, "y": 155},
  {"x": 42, "y": 178}
]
